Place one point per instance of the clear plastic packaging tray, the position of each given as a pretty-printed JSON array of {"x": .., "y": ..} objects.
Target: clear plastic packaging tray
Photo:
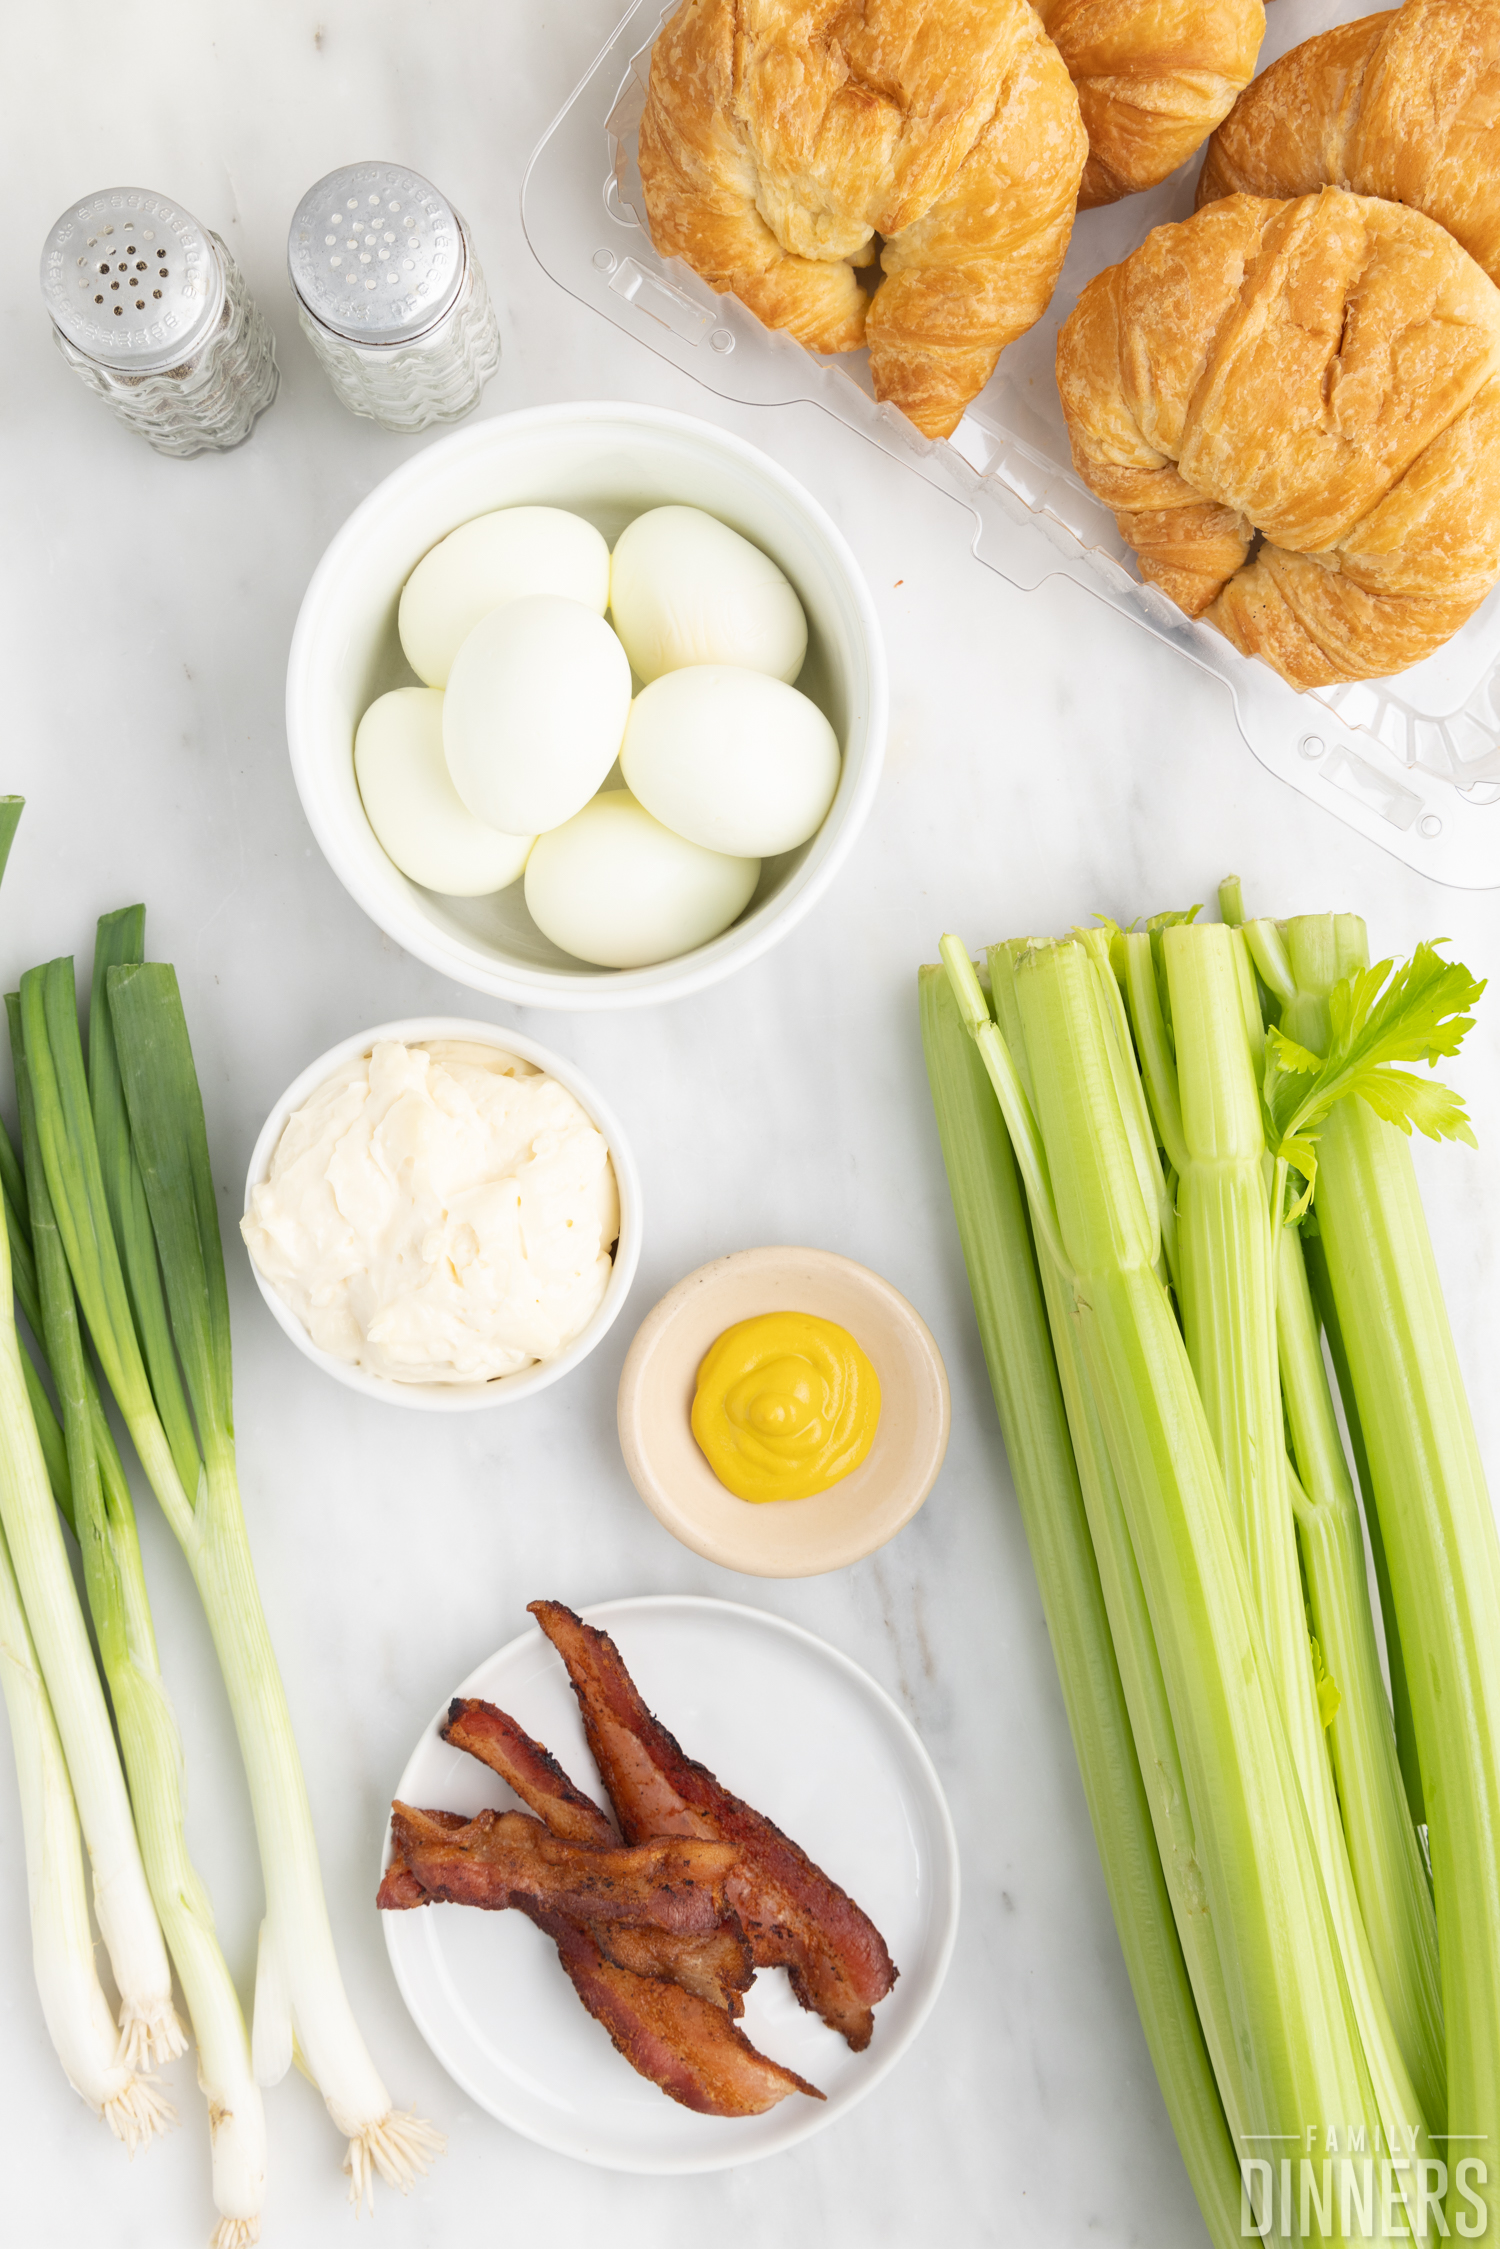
[{"x": 1412, "y": 762}]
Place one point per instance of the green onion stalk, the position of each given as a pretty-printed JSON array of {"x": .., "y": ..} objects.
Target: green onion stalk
[
  {"x": 1435, "y": 1521},
  {"x": 1154, "y": 1933},
  {"x": 1208, "y": 1111},
  {"x": 29, "y": 1304},
  {"x": 1301, "y": 2056},
  {"x": 149, "y": 2027},
  {"x": 300, "y": 2002},
  {"x": 74, "y": 2007},
  {"x": 114, "y": 1579}
]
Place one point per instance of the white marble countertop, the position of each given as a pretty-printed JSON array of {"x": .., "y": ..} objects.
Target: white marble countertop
[{"x": 1047, "y": 759}]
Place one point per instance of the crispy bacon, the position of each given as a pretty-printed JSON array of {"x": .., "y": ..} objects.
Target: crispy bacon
[
  {"x": 717, "y": 1967},
  {"x": 533, "y": 1772},
  {"x": 794, "y": 1915},
  {"x": 499, "y": 1859},
  {"x": 399, "y": 1888},
  {"x": 683, "y": 2043}
]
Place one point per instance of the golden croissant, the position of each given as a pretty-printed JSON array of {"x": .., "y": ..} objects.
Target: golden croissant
[
  {"x": 1293, "y": 409},
  {"x": 792, "y": 150},
  {"x": 1154, "y": 77},
  {"x": 1404, "y": 105}
]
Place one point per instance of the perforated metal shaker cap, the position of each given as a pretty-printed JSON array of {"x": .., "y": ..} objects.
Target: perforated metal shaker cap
[
  {"x": 132, "y": 279},
  {"x": 375, "y": 253}
]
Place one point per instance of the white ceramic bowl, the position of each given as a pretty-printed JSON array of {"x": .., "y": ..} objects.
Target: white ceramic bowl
[
  {"x": 609, "y": 463},
  {"x": 461, "y": 1397}
]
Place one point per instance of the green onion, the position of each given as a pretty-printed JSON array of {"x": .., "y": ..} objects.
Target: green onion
[
  {"x": 297, "y": 1982},
  {"x": 121, "y": 937},
  {"x": 998, "y": 1254},
  {"x": 115, "y": 1583},
  {"x": 99, "y": 2062},
  {"x": 24, "y": 1289},
  {"x": 74, "y": 2007},
  {"x": 127, "y": 1918}
]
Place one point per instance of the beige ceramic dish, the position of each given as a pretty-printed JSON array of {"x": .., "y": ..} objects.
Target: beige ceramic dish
[{"x": 795, "y": 1537}]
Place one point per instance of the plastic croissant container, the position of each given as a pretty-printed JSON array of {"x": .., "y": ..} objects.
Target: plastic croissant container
[{"x": 1413, "y": 762}]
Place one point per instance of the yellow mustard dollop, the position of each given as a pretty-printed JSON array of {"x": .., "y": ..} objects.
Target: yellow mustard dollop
[{"x": 786, "y": 1405}]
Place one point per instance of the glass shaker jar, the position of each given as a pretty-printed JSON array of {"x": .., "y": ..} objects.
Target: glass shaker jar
[
  {"x": 151, "y": 312},
  {"x": 391, "y": 297}
]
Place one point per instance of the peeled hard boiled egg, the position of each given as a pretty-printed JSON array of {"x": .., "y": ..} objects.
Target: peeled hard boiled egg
[
  {"x": 536, "y": 705},
  {"x": 731, "y": 759},
  {"x": 409, "y": 798},
  {"x": 614, "y": 887},
  {"x": 483, "y": 564},
  {"x": 685, "y": 589}
]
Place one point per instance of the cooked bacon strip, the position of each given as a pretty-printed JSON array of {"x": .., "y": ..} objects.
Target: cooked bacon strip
[
  {"x": 507, "y": 1858},
  {"x": 533, "y": 1772},
  {"x": 717, "y": 1968},
  {"x": 684, "y": 2044},
  {"x": 794, "y": 1916},
  {"x": 399, "y": 1888}
]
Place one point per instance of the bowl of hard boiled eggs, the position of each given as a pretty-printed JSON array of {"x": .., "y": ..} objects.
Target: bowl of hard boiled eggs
[{"x": 587, "y": 704}]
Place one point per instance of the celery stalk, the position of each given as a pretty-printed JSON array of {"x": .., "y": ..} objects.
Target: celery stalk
[
  {"x": 298, "y": 1986},
  {"x": 115, "y": 1583},
  {"x": 1272, "y": 969},
  {"x": 1438, "y": 1529},
  {"x": 1386, "y": 1862},
  {"x": 1228, "y": 1296},
  {"x": 998, "y": 1255},
  {"x": 1302, "y": 2056},
  {"x": 1316, "y": 1268},
  {"x": 1130, "y": 1630}
]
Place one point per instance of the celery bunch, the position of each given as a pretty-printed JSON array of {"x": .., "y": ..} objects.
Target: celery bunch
[{"x": 1207, "y": 1125}]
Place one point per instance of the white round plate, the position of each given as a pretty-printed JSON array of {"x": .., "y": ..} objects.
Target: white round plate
[{"x": 795, "y": 1729}]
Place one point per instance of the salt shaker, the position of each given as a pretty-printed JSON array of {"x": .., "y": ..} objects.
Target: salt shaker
[
  {"x": 391, "y": 297},
  {"x": 152, "y": 313}
]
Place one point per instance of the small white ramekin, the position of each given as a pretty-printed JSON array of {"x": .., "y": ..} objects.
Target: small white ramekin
[
  {"x": 609, "y": 463},
  {"x": 506, "y": 1389}
]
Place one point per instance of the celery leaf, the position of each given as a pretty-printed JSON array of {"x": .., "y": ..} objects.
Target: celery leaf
[
  {"x": 1379, "y": 1016},
  {"x": 1292, "y": 1057}
]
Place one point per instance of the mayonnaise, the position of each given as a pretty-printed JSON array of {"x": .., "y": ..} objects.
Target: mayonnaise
[{"x": 438, "y": 1214}]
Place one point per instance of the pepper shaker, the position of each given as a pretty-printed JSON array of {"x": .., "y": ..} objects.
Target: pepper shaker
[
  {"x": 151, "y": 312},
  {"x": 391, "y": 297}
]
